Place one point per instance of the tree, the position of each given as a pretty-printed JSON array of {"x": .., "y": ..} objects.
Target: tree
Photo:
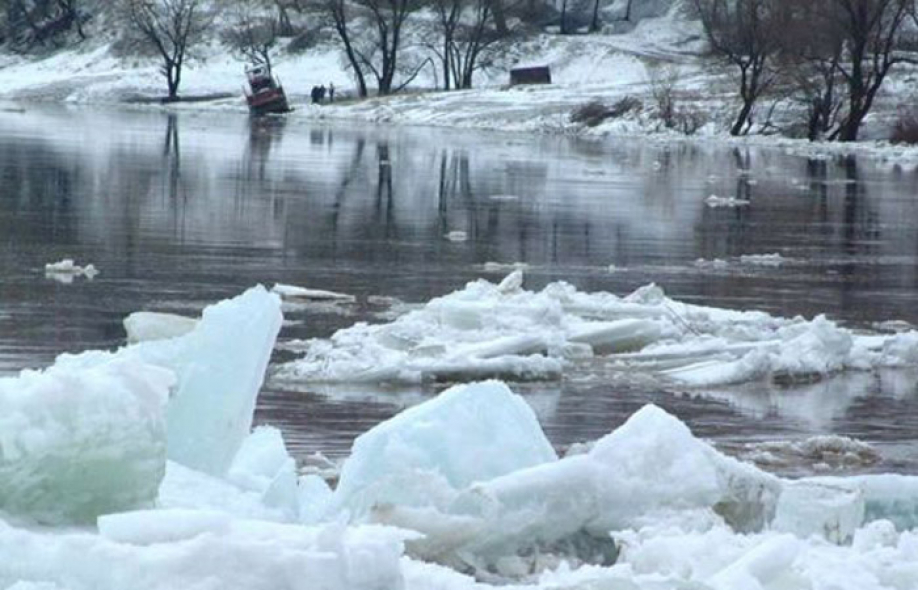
[
  {"x": 466, "y": 35},
  {"x": 253, "y": 35},
  {"x": 746, "y": 35},
  {"x": 871, "y": 31},
  {"x": 31, "y": 23},
  {"x": 172, "y": 28},
  {"x": 377, "y": 50}
]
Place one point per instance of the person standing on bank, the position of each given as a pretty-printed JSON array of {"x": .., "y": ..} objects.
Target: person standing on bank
[{"x": 331, "y": 92}]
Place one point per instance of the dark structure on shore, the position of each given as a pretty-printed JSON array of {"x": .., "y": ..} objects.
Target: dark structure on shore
[{"x": 531, "y": 75}]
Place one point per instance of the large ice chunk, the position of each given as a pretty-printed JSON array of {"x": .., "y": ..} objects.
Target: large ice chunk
[
  {"x": 808, "y": 508},
  {"x": 651, "y": 463},
  {"x": 78, "y": 443},
  {"x": 220, "y": 367},
  {"x": 468, "y": 433}
]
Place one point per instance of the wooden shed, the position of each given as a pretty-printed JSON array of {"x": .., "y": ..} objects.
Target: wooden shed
[{"x": 530, "y": 75}]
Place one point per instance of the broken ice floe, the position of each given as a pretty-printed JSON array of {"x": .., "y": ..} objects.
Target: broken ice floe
[
  {"x": 816, "y": 453},
  {"x": 503, "y": 331},
  {"x": 295, "y": 293},
  {"x": 64, "y": 271},
  {"x": 91, "y": 433},
  {"x": 220, "y": 367}
]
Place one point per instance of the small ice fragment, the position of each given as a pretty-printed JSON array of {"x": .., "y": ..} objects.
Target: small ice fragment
[
  {"x": 504, "y": 198},
  {"x": 774, "y": 259},
  {"x": 294, "y": 292},
  {"x": 65, "y": 270},
  {"x": 502, "y": 267},
  {"x": 457, "y": 236},
  {"x": 149, "y": 325},
  {"x": 715, "y": 201},
  {"x": 512, "y": 283}
]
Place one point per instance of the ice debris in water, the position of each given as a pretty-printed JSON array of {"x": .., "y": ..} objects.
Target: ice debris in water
[
  {"x": 773, "y": 259},
  {"x": 296, "y": 293},
  {"x": 78, "y": 443},
  {"x": 714, "y": 201},
  {"x": 220, "y": 367},
  {"x": 66, "y": 270},
  {"x": 504, "y": 331},
  {"x": 485, "y": 330},
  {"x": 821, "y": 452},
  {"x": 426, "y": 453},
  {"x": 141, "y": 326}
]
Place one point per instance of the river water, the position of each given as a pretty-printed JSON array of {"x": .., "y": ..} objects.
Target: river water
[{"x": 178, "y": 211}]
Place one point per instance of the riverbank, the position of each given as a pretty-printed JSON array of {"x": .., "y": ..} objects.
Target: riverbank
[{"x": 596, "y": 69}]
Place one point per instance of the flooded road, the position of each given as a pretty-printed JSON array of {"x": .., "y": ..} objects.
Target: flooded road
[{"x": 178, "y": 211}]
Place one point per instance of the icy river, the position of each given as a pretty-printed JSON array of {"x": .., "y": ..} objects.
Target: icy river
[{"x": 178, "y": 211}]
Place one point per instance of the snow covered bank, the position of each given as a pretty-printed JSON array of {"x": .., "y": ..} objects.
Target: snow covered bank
[{"x": 502, "y": 330}]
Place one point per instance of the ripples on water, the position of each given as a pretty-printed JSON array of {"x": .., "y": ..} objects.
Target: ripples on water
[{"x": 180, "y": 211}]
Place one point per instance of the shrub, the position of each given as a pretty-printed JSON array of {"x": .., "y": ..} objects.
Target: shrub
[
  {"x": 906, "y": 128},
  {"x": 595, "y": 112}
]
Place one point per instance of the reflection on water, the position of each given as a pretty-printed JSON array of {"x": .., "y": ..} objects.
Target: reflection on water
[{"x": 180, "y": 210}]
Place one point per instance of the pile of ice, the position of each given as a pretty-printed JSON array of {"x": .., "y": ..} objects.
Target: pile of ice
[
  {"x": 76, "y": 444},
  {"x": 64, "y": 271},
  {"x": 466, "y": 481},
  {"x": 91, "y": 434},
  {"x": 504, "y": 331}
]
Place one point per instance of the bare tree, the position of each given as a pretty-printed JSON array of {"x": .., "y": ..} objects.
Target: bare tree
[
  {"x": 253, "y": 35},
  {"x": 341, "y": 15},
  {"x": 745, "y": 34},
  {"x": 377, "y": 50},
  {"x": 172, "y": 28},
  {"x": 871, "y": 31},
  {"x": 465, "y": 38},
  {"x": 31, "y": 23}
]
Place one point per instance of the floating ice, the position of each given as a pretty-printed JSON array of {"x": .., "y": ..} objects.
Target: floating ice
[
  {"x": 485, "y": 330},
  {"x": 78, "y": 443},
  {"x": 220, "y": 367},
  {"x": 501, "y": 330},
  {"x": 457, "y": 236},
  {"x": 714, "y": 201},
  {"x": 148, "y": 325},
  {"x": 65, "y": 271},
  {"x": 294, "y": 292},
  {"x": 625, "y": 477},
  {"x": 423, "y": 455},
  {"x": 774, "y": 259}
]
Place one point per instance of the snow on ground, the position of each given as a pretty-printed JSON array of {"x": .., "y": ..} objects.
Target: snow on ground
[{"x": 502, "y": 330}]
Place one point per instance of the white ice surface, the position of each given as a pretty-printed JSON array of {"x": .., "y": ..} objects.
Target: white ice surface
[
  {"x": 78, "y": 443},
  {"x": 170, "y": 550},
  {"x": 425, "y": 454},
  {"x": 263, "y": 465}
]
